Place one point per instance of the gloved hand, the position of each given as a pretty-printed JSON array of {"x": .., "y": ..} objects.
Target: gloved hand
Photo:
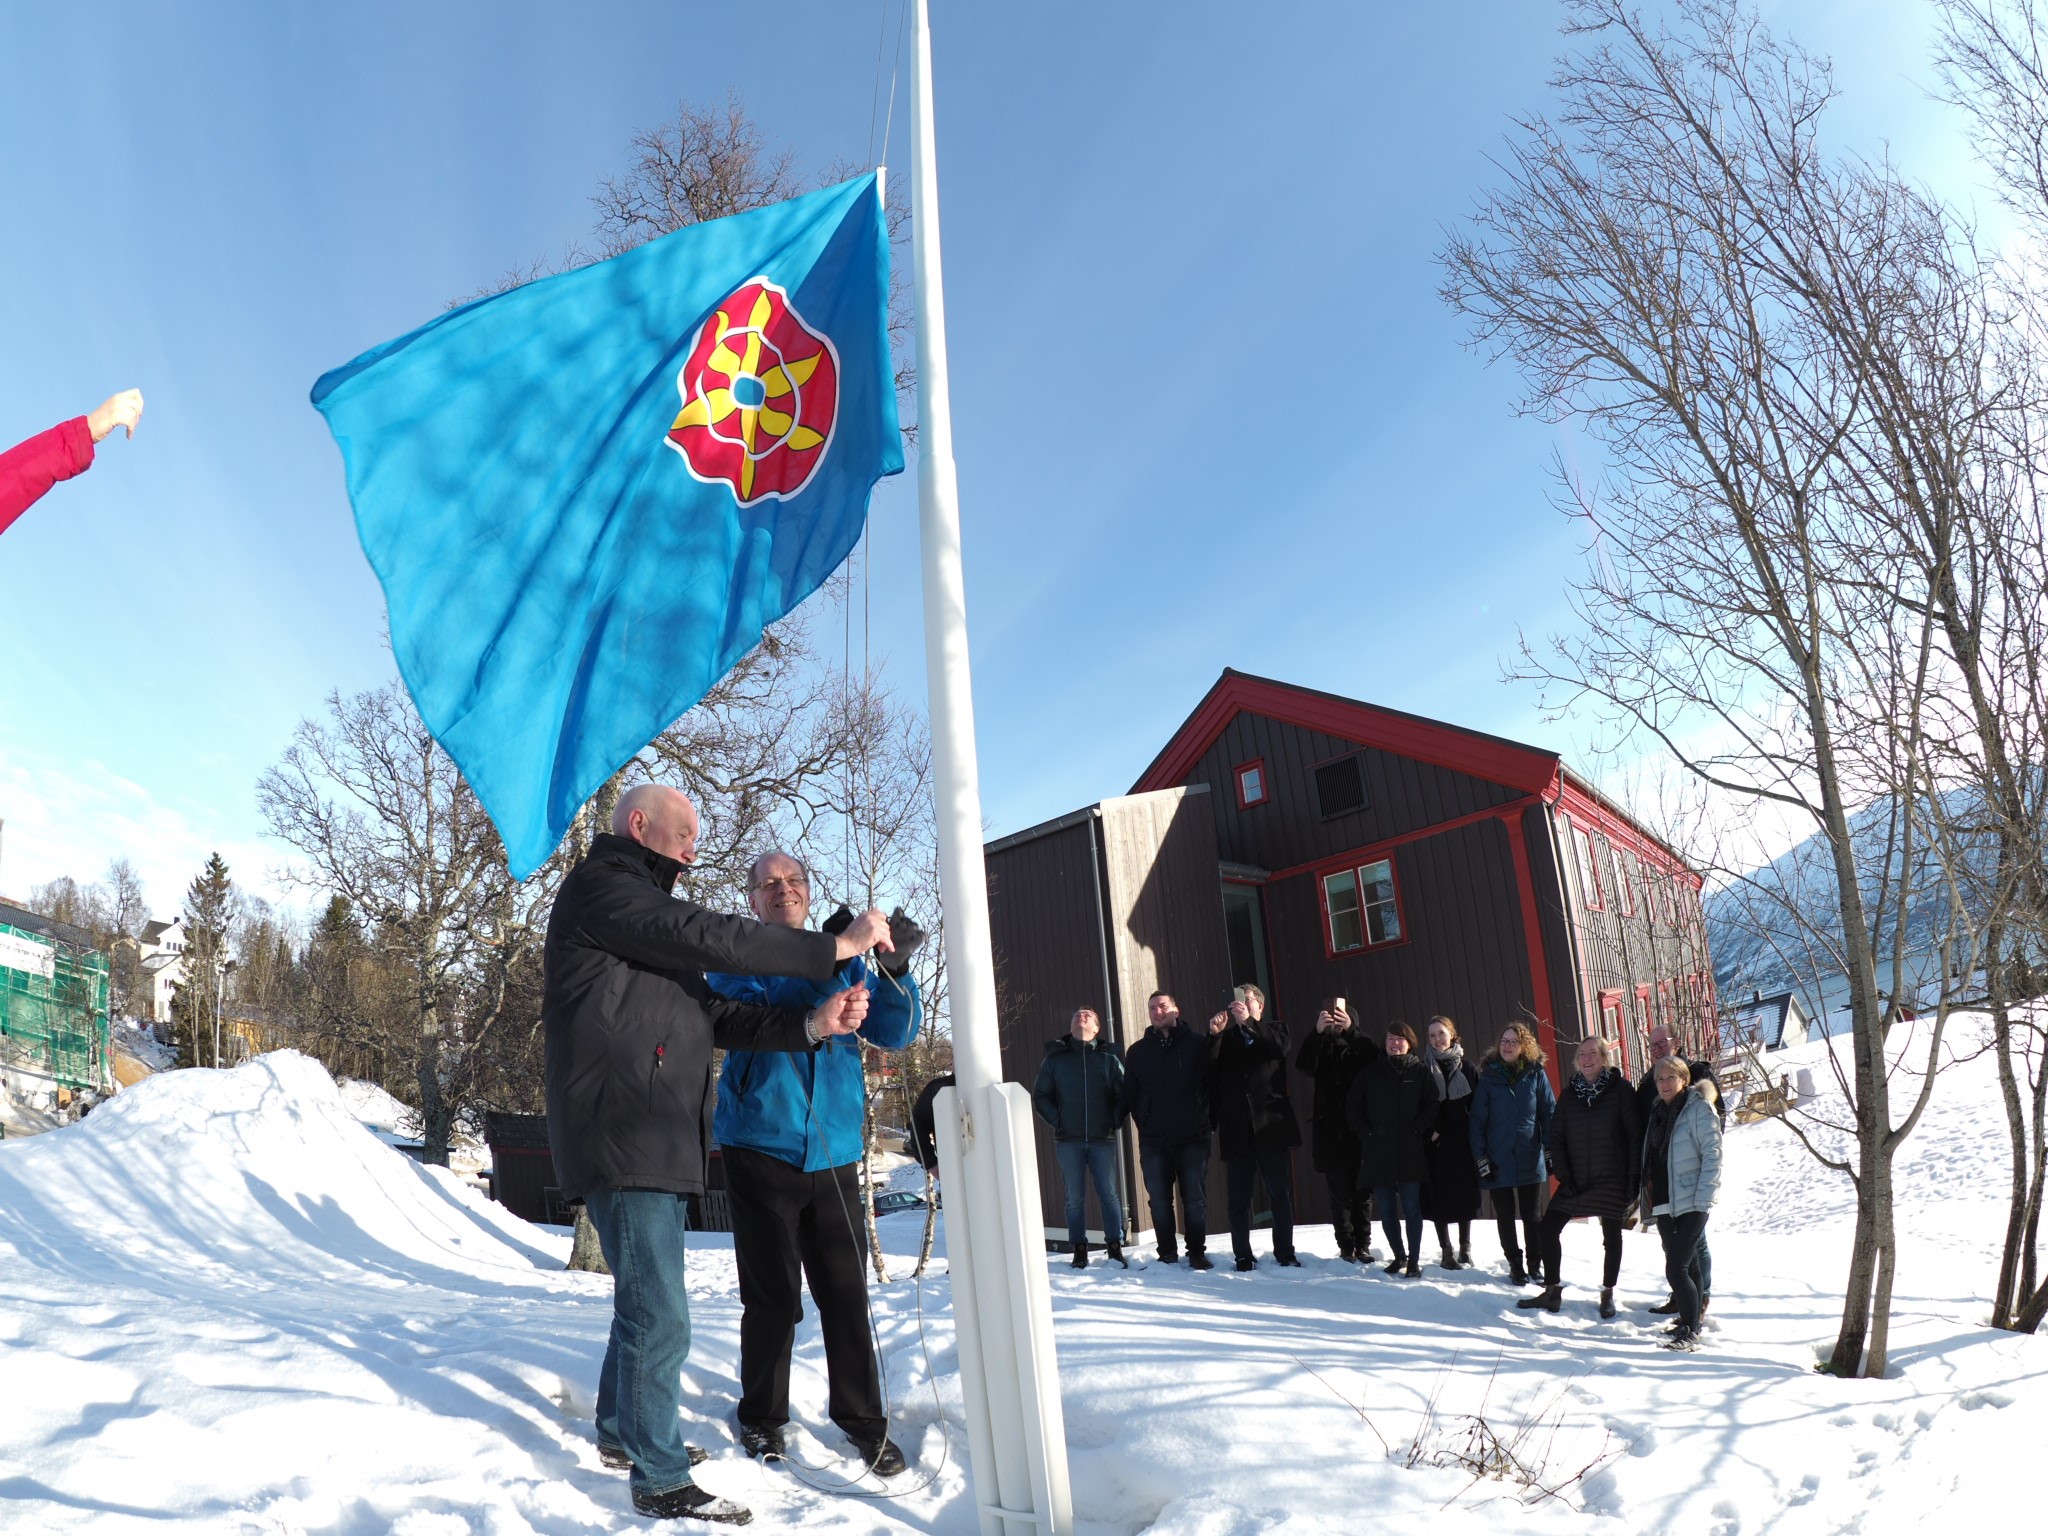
[
  {"x": 906, "y": 935},
  {"x": 838, "y": 922},
  {"x": 1486, "y": 1169}
]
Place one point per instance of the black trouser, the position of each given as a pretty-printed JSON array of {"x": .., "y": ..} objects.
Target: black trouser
[
  {"x": 1443, "y": 1236},
  {"x": 1276, "y": 1165},
  {"x": 1682, "y": 1236},
  {"x": 785, "y": 1220},
  {"x": 1506, "y": 1202},
  {"x": 1550, "y": 1238},
  {"x": 1350, "y": 1207},
  {"x": 1185, "y": 1163}
]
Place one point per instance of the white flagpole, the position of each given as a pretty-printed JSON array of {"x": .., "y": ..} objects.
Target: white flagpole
[{"x": 995, "y": 1246}]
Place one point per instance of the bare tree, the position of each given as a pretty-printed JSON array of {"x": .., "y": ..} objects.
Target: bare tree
[
  {"x": 1676, "y": 264},
  {"x": 385, "y": 821}
]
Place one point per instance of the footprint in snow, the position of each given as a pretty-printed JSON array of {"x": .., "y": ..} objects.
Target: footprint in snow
[
  {"x": 1985, "y": 1397},
  {"x": 1809, "y": 1485}
]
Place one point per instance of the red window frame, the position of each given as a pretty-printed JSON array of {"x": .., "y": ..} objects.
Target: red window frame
[
  {"x": 1330, "y": 949},
  {"x": 1593, "y": 895},
  {"x": 1257, "y": 765},
  {"x": 1622, "y": 888},
  {"x": 1614, "y": 1023}
]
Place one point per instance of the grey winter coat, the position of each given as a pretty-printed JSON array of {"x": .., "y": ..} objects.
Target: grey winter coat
[{"x": 1694, "y": 1156}]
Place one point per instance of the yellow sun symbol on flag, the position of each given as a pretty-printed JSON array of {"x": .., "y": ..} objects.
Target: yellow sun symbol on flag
[{"x": 759, "y": 406}]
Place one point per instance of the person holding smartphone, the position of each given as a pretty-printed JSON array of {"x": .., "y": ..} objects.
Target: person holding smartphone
[{"x": 1332, "y": 1055}]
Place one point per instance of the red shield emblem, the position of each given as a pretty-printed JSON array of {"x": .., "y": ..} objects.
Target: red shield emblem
[{"x": 760, "y": 393}]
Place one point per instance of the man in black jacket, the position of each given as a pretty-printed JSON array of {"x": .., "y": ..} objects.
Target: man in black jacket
[
  {"x": 1256, "y": 1129},
  {"x": 630, "y": 1030},
  {"x": 1079, "y": 1087},
  {"x": 1166, "y": 1094}
]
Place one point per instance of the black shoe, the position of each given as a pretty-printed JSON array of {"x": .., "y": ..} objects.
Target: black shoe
[
  {"x": 1397, "y": 1263},
  {"x": 881, "y": 1456},
  {"x": 1607, "y": 1301},
  {"x": 1516, "y": 1274},
  {"x": 1686, "y": 1340},
  {"x": 1448, "y": 1262},
  {"x": 1290, "y": 1262},
  {"x": 1464, "y": 1258},
  {"x": 1247, "y": 1262},
  {"x": 1412, "y": 1270},
  {"x": 1348, "y": 1255},
  {"x": 615, "y": 1456},
  {"x": 1549, "y": 1299},
  {"x": 690, "y": 1502},
  {"x": 761, "y": 1441},
  {"x": 1116, "y": 1255},
  {"x": 1666, "y": 1307},
  {"x": 1080, "y": 1258},
  {"x": 1169, "y": 1256},
  {"x": 1199, "y": 1261}
]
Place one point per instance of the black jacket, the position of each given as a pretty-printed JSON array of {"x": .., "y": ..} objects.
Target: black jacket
[
  {"x": 631, "y": 1024},
  {"x": 1451, "y": 1189},
  {"x": 1248, "y": 1089},
  {"x": 1333, "y": 1061},
  {"x": 1596, "y": 1150},
  {"x": 1080, "y": 1088},
  {"x": 1166, "y": 1085},
  {"x": 1392, "y": 1108}
]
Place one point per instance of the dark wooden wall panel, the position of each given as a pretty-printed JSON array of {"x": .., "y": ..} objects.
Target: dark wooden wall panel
[{"x": 1402, "y": 795}]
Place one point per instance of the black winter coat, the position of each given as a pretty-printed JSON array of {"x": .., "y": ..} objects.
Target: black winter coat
[
  {"x": 1333, "y": 1061},
  {"x": 1248, "y": 1097},
  {"x": 1452, "y": 1191},
  {"x": 631, "y": 1024},
  {"x": 1392, "y": 1108},
  {"x": 1080, "y": 1088},
  {"x": 1166, "y": 1085},
  {"x": 1596, "y": 1150}
]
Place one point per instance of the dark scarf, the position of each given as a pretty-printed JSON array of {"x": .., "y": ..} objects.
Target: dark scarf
[
  {"x": 1657, "y": 1148},
  {"x": 1589, "y": 1092}
]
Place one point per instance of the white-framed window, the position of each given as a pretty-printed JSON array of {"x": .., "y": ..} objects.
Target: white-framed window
[
  {"x": 1251, "y": 784},
  {"x": 1362, "y": 907}
]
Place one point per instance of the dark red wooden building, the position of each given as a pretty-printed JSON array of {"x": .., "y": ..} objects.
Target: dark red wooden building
[{"x": 1318, "y": 845}]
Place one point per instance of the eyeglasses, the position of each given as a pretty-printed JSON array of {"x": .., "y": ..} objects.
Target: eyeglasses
[{"x": 794, "y": 882}]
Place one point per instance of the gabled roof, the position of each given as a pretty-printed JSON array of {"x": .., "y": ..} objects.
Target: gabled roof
[
  {"x": 1768, "y": 1016},
  {"x": 1529, "y": 769},
  {"x": 69, "y": 936},
  {"x": 151, "y": 932}
]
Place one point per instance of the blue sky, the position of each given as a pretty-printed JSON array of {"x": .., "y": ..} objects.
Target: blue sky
[{"x": 1210, "y": 411}]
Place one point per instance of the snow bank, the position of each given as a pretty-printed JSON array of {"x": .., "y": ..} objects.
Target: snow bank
[{"x": 226, "y": 1306}]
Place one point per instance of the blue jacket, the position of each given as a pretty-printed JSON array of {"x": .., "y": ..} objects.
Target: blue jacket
[
  {"x": 806, "y": 1107},
  {"x": 1511, "y": 1123}
]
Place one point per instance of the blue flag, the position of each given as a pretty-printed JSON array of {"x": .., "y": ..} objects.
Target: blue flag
[{"x": 587, "y": 496}]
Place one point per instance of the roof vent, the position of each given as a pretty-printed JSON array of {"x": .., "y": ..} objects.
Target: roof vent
[{"x": 1340, "y": 787}]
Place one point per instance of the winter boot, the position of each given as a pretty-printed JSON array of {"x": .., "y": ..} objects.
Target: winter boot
[
  {"x": 1287, "y": 1261},
  {"x": 1516, "y": 1274},
  {"x": 1080, "y": 1255},
  {"x": 1246, "y": 1262},
  {"x": 1412, "y": 1270},
  {"x": 1198, "y": 1259},
  {"x": 1666, "y": 1307},
  {"x": 1348, "y": 1255},
  {"x": 1116, "y": 1255},
  {"x": 1449, "y": 1260},
  {"x": 761, "y": 1441},
  {"x": 690, "y": 1502},
  {"x": 615, "y": 1457},
  {"x": 1397, "y": 1264},
  {"x": 1685, "y": 1341},
  {"x": 1549, "y": 1299},
  {"x": 1607, "y": 1301},
  {"x": 882, "y": 1455},
  {"x": 1465, "y": 1253},
  {"x": 1168, "y": 1254}
]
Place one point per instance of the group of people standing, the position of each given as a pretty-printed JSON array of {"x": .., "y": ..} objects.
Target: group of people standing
[{"x": 1406, "y": 1125}]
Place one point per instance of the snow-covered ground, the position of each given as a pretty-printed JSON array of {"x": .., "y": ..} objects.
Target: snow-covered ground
[{"x": 226, "y": 1306}]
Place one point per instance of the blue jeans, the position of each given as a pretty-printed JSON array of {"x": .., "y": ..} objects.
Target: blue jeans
[
  {"x": 1185, "y": 1162},
  {"x": 640, "y": 1388},
  {"x": 1411, "y": 1208},
  {"x": 1081, "y": 1160}
]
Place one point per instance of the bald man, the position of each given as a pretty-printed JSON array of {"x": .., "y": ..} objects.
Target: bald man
[{"x": 630, "y": 1030}]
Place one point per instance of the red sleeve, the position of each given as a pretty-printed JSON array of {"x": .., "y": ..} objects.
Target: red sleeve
[{"x": 31, "y": 468}]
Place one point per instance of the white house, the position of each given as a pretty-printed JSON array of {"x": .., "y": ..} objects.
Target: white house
[
  {"x": 1772, "y": 1023},
  {"x": 162, "y": 947}
]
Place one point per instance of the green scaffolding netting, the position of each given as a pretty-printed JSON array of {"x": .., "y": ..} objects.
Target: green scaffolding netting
[{"x": 53, "y": 1009}]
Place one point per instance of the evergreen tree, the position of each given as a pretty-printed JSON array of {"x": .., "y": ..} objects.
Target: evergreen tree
[{"x": 210, "y": 906}]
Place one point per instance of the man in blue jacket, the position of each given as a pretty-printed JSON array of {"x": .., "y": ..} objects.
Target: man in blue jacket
[{"x": 789, "y": 1127}]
